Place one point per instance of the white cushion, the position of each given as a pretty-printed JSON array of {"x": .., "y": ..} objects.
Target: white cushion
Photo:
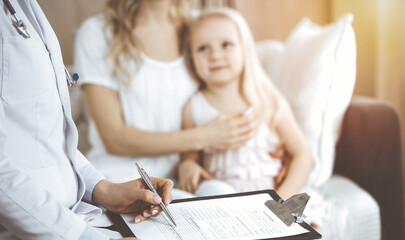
[
  {"x": 315, "y": 70},
  {"x": 269, "y": 52},
  {"x": 354, "y": 213}
]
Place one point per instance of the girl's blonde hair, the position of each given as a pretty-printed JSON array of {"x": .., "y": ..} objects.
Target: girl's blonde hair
[
  {"x": 124, "y": 47},
  {"x": 256, "y": 87}
]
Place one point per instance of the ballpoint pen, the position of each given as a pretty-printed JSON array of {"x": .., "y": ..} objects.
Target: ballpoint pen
[{"x": 149, "y": 183}]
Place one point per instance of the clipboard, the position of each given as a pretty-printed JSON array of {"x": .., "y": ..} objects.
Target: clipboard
[{"x": 125, "y": 231}]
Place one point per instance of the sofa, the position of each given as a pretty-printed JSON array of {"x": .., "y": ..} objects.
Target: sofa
[{"x": 368, "y": 153}]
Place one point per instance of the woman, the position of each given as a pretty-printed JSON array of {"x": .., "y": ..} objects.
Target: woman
[{"x": 135, "y": 84}]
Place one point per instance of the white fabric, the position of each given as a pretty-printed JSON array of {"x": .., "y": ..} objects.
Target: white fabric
[
  {"x": 249, "y": 167},
  {"x": 153, "y": 102},
  {"x": 315, "y": 70},
  {"x": 110, "y": 233},
  {"x": 354, "y": 212},
  {"x": 214, "y": 187},
  {"x": 269, "y": 52},
  {"x": 41, "y": 172},
  {"x": 179, "y": 194}
]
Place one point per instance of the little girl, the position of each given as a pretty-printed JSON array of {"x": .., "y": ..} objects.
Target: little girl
[{"x": 222, "y": 58}]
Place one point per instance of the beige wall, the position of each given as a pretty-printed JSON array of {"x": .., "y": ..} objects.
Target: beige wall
[
  {"x": 66, "y": 16},
  {"x": 267, "y": 18},
  {"x": 365, "y": 27},
  {"x": 276, "y": 18}
]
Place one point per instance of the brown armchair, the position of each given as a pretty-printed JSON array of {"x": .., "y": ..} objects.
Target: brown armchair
[{"x": 369, "y": 153}]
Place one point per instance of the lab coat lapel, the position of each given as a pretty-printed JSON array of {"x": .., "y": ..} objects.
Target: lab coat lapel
[
  {"x": 25, "y": 7},
  {"x": 52, "y": 43},
  {"x": 53, "y": 46}
]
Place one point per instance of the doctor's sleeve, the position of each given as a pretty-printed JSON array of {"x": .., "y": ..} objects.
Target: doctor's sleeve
[
  {"x": 91, "y": 176},
  {"x": 30, "y": 212}
]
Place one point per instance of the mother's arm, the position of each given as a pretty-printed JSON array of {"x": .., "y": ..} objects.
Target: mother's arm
[{"x": 105, "y": 108}]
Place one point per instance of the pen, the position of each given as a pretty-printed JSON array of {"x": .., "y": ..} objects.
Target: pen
[{"x": 149, "y": 183}]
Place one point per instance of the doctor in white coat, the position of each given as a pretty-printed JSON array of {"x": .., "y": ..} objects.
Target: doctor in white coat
[{"x": 46, "y": 185}]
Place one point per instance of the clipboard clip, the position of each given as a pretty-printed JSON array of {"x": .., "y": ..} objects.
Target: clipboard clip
[{"x": 290, "y": 210}]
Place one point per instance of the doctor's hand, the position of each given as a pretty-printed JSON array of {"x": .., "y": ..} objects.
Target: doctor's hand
[
  {"x": 133, "y": 197},
  {"x": 229, "y": 131},
  {"x": 191, "y": 174}
]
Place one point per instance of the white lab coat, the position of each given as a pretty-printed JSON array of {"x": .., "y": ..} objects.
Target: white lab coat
[{"x": 44, "y": 179}]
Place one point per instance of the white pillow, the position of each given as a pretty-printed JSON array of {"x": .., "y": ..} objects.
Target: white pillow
[
  {"x": 269, "y": 53},
  {"x": 316, "y": 70}
]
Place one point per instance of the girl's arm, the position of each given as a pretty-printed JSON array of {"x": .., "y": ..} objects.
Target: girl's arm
[
  {"x": 296, "y": 146},
  {"x": 105, "y": 108},
  {"x": 190, "y": 172}
]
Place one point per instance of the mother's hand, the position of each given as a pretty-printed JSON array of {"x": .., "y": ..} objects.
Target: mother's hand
[{"x": 230, "y": 131}]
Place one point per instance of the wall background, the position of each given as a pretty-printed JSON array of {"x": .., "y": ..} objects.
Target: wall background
[
  {"x": 66, "y": 17},
  {"x": 268, "y": 19},
  {"x": 379, "y": 26}
]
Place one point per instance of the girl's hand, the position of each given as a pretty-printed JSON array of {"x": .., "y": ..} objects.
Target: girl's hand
[
  {"x": 285, "y": 163},
  {"x": 190, "y": 175},
  {"x": 230, "y": 131}
]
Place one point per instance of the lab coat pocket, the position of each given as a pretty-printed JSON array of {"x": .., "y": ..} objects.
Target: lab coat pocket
[
  {"x": 60, "y": 181},
  {"x": 27, "y": 71}
]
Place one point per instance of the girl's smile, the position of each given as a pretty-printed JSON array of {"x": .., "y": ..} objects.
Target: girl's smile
[{"x": 217, "y": 55}]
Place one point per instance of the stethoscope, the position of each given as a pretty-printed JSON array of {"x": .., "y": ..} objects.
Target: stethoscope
[{"x": 21, "y": 28}]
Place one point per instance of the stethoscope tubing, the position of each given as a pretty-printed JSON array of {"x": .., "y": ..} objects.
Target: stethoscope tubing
[
  {"x": 21, "y": 28},
  {"x": 9, "y": 7},
  {"x": 17, "y": 23}
]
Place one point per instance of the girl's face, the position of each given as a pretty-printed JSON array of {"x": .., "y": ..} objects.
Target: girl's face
[{"x": 216, "y": 51}]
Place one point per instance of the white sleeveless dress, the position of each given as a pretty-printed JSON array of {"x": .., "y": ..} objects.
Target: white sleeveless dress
[
  {"x": 250, "y": 167},
  {"x": 247, "y": 168}
]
